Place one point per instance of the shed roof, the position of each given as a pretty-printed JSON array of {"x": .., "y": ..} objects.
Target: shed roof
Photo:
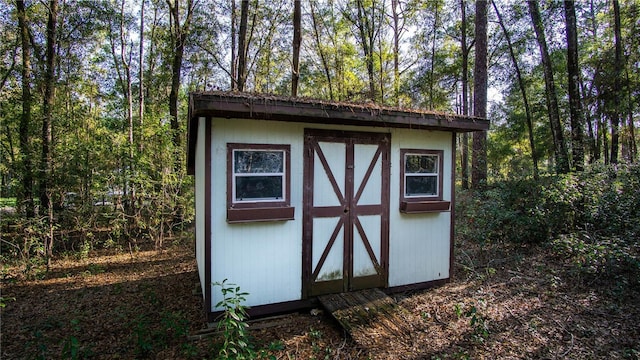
[{"x": 267, "y": 107}]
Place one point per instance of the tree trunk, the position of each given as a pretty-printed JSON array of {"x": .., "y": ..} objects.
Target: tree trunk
[
  {"x": 242, "y": 47},
  {"x": 633, "y": 146},
  {"x": 523, "y": 90},
  {"x": 433, "y": 56},
  {"x": 141, "y": 79},
  {"x": 465, "y": 93},
  {"x": 617, "y": 86},
  {"x": 560, "y": 149},
  {"x": 587, "y": 93},
  {"x": 323, "y": 57},
  {"x": 396, "y": 51},
  {"x": 575, "y": 102},
  {"x": 479, "y": 160},
  {"x": 367, "y": 37},
  {"x": 297, "y": 39},
  {"x": 179, "y": 36},
  {"x": 47, "y": 109},
  {"x": 234, "y": 85},
  {"x": 26, "y": 192},
  {"x": 125, "y": 60}
]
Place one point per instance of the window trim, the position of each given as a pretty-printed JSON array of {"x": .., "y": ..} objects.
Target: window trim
[
  {"x": 259, "y": 210},
  {"x": 421, "y": 204}
]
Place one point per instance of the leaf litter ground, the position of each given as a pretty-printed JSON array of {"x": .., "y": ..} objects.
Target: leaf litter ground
[{"x": 504, "y": 302}]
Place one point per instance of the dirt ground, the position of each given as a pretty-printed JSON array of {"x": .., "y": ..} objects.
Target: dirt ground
[{"x": 503, "y": 303}]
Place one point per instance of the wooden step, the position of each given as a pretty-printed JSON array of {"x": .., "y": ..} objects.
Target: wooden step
[{"x": 371, "y": 317}]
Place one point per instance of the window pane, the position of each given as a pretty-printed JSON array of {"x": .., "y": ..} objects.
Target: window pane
[
  {"x": 258, "y": 187},
  {"x": 421, "y": 186},
  {"x": 246, "y": 161},
  {"x": 421, "y": 164}
]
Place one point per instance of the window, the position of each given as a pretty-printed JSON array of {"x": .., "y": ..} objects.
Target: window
[
  {"x": 258, "y": 175},
  {"x": 258, "y": 183},
  {"x": 421, "y": 181}
]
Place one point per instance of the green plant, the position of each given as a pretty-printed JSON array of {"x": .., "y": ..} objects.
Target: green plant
[
  {"x": 4, "y": 300},
  {"x": 478, "y": 324},
  {"x": 174, "y": 326},
  {"x": 150, "y": 337},
  {"x": 41, "y": 345},
  {"x": 237, "y": 343},
  {"x": 143, "y": 337},
  {"x": 72, "y": 349},
  {"x": 477, "y": 321},
  {"x": 458, "y": 308}
]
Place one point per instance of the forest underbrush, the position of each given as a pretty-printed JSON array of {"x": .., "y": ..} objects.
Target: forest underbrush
[{"x": 545, "y": 269}]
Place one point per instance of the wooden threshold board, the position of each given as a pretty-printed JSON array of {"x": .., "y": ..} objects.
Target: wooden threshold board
[{"x": 371, "y": 317}]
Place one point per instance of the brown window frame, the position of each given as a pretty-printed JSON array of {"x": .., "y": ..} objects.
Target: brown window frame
[
  {"x": 256, "y": 211},
  {"x": 422, "y": 204}
]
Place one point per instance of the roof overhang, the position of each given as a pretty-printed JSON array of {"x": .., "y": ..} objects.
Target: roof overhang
[{"x": 266, "y": 107}]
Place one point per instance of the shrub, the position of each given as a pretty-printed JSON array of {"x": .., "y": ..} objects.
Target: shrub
[
  {"x": 603, "y": 200},
  {"x": 236, "y": 344}
]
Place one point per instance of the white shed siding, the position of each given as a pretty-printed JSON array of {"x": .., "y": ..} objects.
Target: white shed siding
[
  {"x": 419, "y": 244},
  {"x": 200, "y": 193},
  {"x": 265, "y": 259}
]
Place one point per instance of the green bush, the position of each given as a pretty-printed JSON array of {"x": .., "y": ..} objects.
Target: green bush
[
  {"x": 590, "y": 220},
  {"x": 601, "y": 200}
]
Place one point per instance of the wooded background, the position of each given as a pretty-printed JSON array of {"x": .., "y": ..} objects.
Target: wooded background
[{"x": 93, "y": 94}]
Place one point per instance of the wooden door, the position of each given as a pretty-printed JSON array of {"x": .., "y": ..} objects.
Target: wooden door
[{"x": 346, "y": 211}]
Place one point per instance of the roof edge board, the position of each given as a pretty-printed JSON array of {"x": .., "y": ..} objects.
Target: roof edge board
[{"x": 269, "y": 108}]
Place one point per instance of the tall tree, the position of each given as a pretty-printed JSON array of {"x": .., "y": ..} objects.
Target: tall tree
[
  {"x": 26, "y": 191},
  {"x": 397, "y": 28},
  {"x": 242, "y": 45},
  {"x": 179, "y": 32},
  {"x": 432, "y": 68},
  {"x": 47, "y": 109},
  {"x": 560, "y": 149},
  {"x": 480, "y": 84},
  {"x": 141, "y": 88},
  {"x": 573, "y": 71},
  {"x": 297, "y": 39},
  {"x": 324, "y": 57},
  {"x": 234, "y": 64},
  {"x": 465, "y": 91},
  {"x": 617, "y": 87},
  {"x": 365, "y": 22},
  {"x": 523, "y": 90}
]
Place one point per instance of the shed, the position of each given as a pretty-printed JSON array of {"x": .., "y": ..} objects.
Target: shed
[{"x": 297, "y": 198}]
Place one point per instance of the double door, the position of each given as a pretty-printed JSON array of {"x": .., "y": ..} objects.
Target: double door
[{"x": 346, "y": 211}]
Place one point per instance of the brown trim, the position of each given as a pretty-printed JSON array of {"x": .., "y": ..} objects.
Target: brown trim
[
  {"x": 366, "y": 282},
  {"x": 350, "y": 213},
  {"x": 453, "y": 204},
  {"x": 416, "y": 286},
  {"x": 192, "y": 138},
  {"x": 207, "y": 217},
  {"x": 260, "y": 214},
  {"x": 307, "y": 215},
  {"x": 386, "y": 199},
  {"x": 423, "y": 204},
  {"x": 327, "y": 287},
  {"x": 248, "y": 106},
  {"x": 262, "y": 210},
  {"x": 327, "y": 211},
  {"x": 256, "y": 312},
  {"x": 414, "y": 207}
]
